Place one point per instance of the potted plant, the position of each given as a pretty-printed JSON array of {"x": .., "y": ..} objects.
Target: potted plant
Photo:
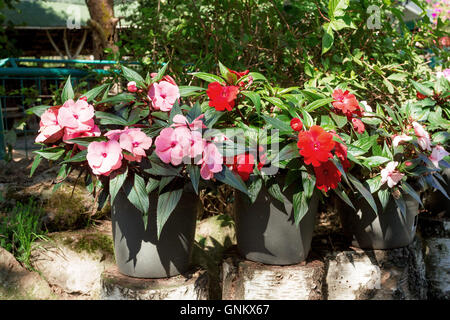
[
  {"x": 288, "y": 151},
  {"x": 145, "y": 151},
  {"x": 397, "y": 159}
]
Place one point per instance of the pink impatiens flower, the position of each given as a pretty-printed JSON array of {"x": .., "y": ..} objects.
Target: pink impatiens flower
[
  {"x": 104, "y": 157},
  {"x": 172, "y": 145},
  {"x": 50, "y": 130},
  {"x": 437, "y": 155},
  {"x": 164, "y": 94},
  {"x": 131, "y": 86},
  {"x": 358, "y": 125},
  {"x": 390, "y": 175},
  {"x": 211, "y": 162},
  {"x": 400, "y": 138},
  {"x": 76, "y": 116},
  {"x": 136, "y": 142},
  {"x": 181, "y": 121},
  {"x": 422, "y": 136},
  {"x": 71, "y": 134}
]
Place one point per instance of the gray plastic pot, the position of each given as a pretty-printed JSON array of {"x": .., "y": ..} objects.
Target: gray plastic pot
[
  {"x": 138, "y": 252},
  {"x": 266, "y": 232},
  {"x": 386, "y": 230}
]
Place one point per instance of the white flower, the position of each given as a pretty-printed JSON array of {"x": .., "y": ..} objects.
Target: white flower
[
  {"x": 437, "y": 155},
  {"x": 390, "y": 175},
  {"x": 399, "y": 138},
  {"x": 422, "y": 136}
]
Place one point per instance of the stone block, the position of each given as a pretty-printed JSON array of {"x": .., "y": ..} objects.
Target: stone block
[
  {"x": 248, "y": 280},
  {"x": 189, "y": 286}
]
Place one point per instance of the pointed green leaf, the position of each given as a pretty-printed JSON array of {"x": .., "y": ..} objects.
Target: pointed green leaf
[
  {"x": 93, "y": 93},
  {"x": 408, "y": 189},
  {"x": 67, "y": 92},
  {"x": 132, "y": 75},
  {"x": 194, "y": 174},
  {"x": 364, "y": 192},
  {"x": 228, "y": 177},
  {"x": 116, "y": 183},
  {"x": 383, "y": 196},
  {"x": 152, "y": 184},
  {"x": 208, "y": 77},
  {"x": 255, "y": 98},
  {"x": 167, "y": 202},
  {"x": 137, "y": 194},
  {"x": 36, "y": 161}
]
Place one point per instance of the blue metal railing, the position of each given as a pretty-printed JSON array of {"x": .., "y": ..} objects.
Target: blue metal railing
[{"x": 15, "y": 77}]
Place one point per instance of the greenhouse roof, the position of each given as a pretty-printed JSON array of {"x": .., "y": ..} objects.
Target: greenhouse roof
[{"x": 58, "y": 14}]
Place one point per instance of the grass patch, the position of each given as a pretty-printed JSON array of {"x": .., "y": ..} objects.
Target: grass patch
[{"x": 20, "y": 228}]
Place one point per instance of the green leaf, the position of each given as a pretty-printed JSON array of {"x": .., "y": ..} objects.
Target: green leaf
[
  {"x": 108, "y": 118},
  {"x": 176, "y": 109},
  {"x": 37, "y": 110},
  {"x": 93, "y": 93},
  {"x": 229, "y": 178},
  {"x": 275, "y": 191},
  {"x": 194, "y": 113},
  {"x": 36, "y": 161},
  {"x": 433, "y": 182},
  {"x": 277, "y": 124},
  {"x": 119, "y": 98},
  {"x": 288, "y": 152},
  {"x": 132, "y": 75},
  {"x": 116, "y": 183},
  {"x": 67, "y": 92},
  {"x": 400, "y": 202},
  {"x": 208, "y": 77},
  {"x": 79, "y": 157},
  {"x": 137, "y": 115},
  {"x": 339, "y": 120},
  {"x": 422, "y": 89},
  {"x": 384, "y": 195},
  {"x": 318, "y": 103},
  {"x": 165, "y": 181},
  {"x": 408, "y": 189},
  {"x": 327, "y": 38},
  {"x": 186, "y": 91},
  {"x": 254, "y": 188},
  {"x": 336, "y": 8},
  {"x": 374, "y": 184},
  {"x": 256, "y": 99},
  {"x": 51, "y": 153},
  {"x": 364, "y": 192},
  {"x": 398, "y": 77},
  {"x": 308, "y": 121},
  {"x": 161, "y": 169},
  {"x": 389, "y": 86},
  {"x": 375, "y": 161},
  {"x": 194, "y": 174},
  {"x": 86, "y": 140},
  {"x": 160, "y": 74},
  {"x": 152, "y": 184},
  {"x": 341, "y": 194},
  {"x": 167, "y": 202},
  {"x": 226, "y": 74},
  {"x": 276, "y": 102},
  {"x": 137, "y": 195}
]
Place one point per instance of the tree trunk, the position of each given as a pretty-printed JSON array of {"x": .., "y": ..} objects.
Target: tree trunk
[{"x": 103, "y": 25}]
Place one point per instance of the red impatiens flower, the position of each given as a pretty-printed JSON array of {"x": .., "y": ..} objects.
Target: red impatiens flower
[
  {"x": 222, "y": 97},
  {"x": 296, "y": 124},
  {"x": 420, "y": 96},
  {"x": 244, "y": 164},
  {"x": 345, "y": 102},
  {"x": 315, "y": 145},
  {"x": 239, "y": 74},
  {"x": 327, "y": 176}
]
